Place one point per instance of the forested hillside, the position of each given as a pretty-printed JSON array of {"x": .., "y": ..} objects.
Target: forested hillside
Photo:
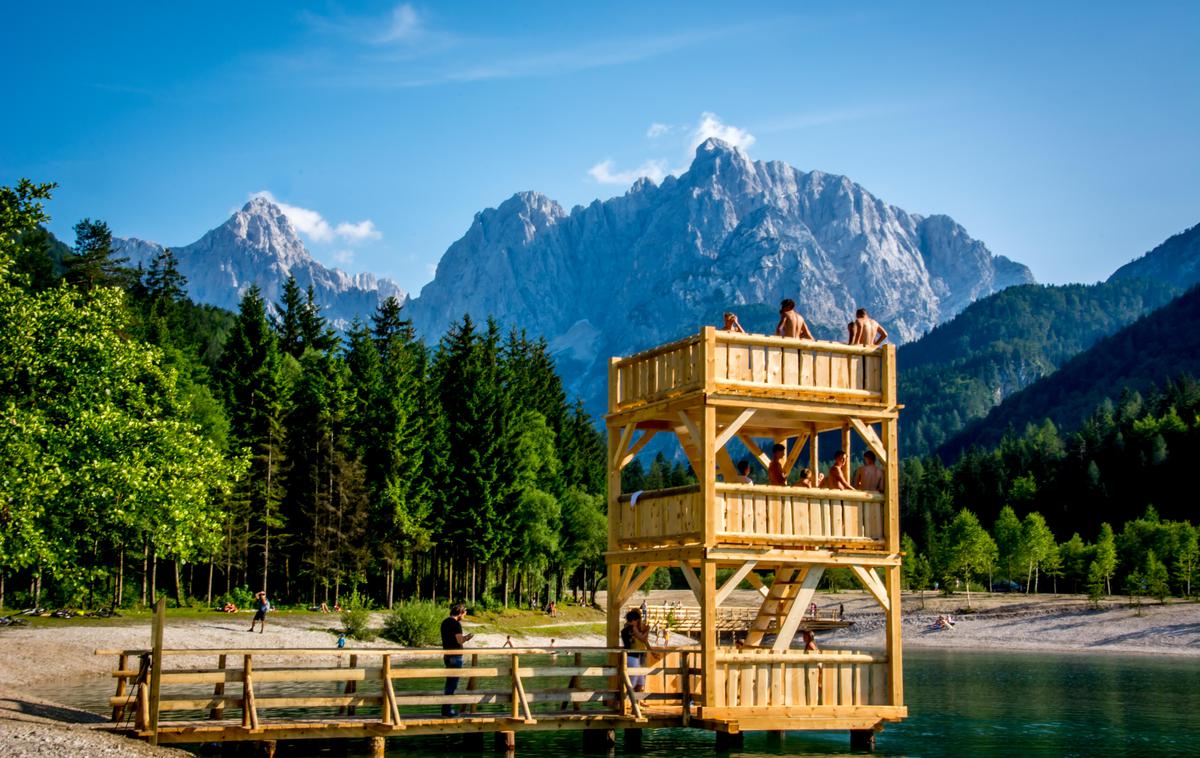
[
  {"x": 997, "y": 346},
  {"x": 142, "y": 433},
  {"x": 1161, "y": 346}
]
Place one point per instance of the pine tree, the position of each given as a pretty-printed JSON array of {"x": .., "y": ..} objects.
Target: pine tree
[
  {"x": 288, "y": 322},
  {"x": 93, "y": 264},
  {"x": 315, "y": 332}
]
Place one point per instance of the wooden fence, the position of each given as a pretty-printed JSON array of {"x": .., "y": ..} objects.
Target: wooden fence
[{"x": 799, "y": 516}]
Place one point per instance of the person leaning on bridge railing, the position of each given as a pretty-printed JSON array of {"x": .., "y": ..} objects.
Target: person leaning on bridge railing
[{"x": 635, "y": 635}]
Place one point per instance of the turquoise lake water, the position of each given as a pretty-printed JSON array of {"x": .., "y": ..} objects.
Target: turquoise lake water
[{"x": 961, "y": 704}]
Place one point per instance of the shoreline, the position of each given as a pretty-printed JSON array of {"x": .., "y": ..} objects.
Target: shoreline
[{"x": 62, "y": 654}]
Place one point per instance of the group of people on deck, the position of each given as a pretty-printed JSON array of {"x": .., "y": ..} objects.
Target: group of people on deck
[{"x": 863, "y": 330}]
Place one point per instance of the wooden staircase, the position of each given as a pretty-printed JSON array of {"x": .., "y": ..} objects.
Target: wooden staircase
[{"x": 779, "y": 612}]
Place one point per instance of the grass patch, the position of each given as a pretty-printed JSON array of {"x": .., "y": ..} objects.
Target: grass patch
[{"x": 571, "y": 621}]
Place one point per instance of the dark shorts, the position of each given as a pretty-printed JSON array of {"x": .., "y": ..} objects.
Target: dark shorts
[{"x": 260, "y": 614}]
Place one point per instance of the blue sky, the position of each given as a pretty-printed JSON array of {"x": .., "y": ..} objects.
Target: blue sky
[{"x": 1063, "y": 136}]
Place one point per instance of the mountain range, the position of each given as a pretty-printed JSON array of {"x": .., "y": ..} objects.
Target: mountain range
[
  {"x": 662, "y": 260},
  {"x": 258, "y": 245}
]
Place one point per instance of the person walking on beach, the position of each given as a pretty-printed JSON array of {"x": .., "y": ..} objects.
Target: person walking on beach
[
  {"x": 791, "y": 324},
  {"x": 865, "y": 330},
  {"x": 261, "y": 606},
  {"x": 453, "y": 640}
]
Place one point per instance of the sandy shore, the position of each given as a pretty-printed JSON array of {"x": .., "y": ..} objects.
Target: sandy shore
[{"x": 36, "y": 657}]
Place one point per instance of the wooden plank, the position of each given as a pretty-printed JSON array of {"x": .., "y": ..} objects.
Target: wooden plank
[
  {"x": 733, "y": 581},
  {"x": 871, "y": 438},
  {"x": 794, "y": 454},
  {"x": 647, "y": 435},
  {"x": 823, "y": 373},
  {"x": 872, "y": 584},
  {"x": 156, "y": 664},
  {"x": 808, "y": 585},
  {"x": 845, "y": 685},
  {"x": 733, "y": 427},
  {"x": 218, "y": 712},
  {"x": 774, "y": 365},
  {"x": 693, "y": 582}
]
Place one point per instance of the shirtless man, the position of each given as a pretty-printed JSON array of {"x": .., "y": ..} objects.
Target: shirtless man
[
  {"x": 791, "y": 324},
  {"x": 836, "y": 478},
  {"x": 775, "y": 470},
  {"x": 732, "y": 324},
  {"x": 865, "y": 330},
  {"x": 869, "y": 476}
]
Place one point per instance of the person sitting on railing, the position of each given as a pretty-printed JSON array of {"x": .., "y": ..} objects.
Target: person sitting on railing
[
  {"x": 865, "y": 330},
  {"x": 635, "y": 636},
  {"x": 791, "y": 324},
  {"x": 743, "y": 469},
  {"x": 775, "y": 469},
  {"x": 869, "y": 476},
  {"x": 732, "y": 324},
  {"x": 836, "y": 479}
]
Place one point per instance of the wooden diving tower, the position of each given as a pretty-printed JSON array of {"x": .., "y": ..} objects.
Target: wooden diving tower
[{"x": 707, "y": 390}]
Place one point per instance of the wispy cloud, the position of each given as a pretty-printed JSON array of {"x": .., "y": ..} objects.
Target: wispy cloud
[
  {"x": 709, "y": 125},
  {"x": 827, "y": 117},
  {"x": 406, "y": 24},
  {"x": 313, "y": 225},
  {"x": 344, "y": 257},
  {"x": 604, "y": 172}
]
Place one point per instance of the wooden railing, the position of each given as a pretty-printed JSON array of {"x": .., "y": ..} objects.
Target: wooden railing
[
  {"x": 687, "y": 619},
  {"x": 672, "y": 516},
  {"x": 797, "y": 679},
  {"x": 752, "y": 514},
  {"x": 749, "y": 513},
  {"x": 388, "y": 687},
  {"x": 752, "y": 363}
]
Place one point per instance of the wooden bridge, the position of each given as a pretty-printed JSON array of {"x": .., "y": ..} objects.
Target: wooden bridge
[{"x": 178, "y": 696}]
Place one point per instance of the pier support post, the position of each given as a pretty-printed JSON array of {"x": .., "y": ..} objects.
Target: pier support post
[
  {"x": 505, "y": 742},
  {"x": 727, "y": 741},
  {"x": 266, "y": 748},
  {"x": 862, "y": 740},
  {"x": 599, "y": 740},
  {"x": 775, "y": 737},
  {"x": 633, "y": 740},
  {"x": 378, "y": 747}
]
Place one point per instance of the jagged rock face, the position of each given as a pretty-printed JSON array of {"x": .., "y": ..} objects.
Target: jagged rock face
[
  {"x": 259, "y": 245},
  {"x": 1176, "y": 261},
  {"x": 660, "y": 261}
]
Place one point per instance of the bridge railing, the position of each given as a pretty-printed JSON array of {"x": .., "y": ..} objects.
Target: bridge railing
[
  {"x": 388, "y": 686},
  {"x": 812, "y": 682},
  {"x": 720, "y": 361}
]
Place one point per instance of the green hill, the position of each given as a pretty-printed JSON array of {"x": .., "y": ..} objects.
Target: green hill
[
  {"x": 999, "y": 345},
  {"x": 1158, "y": 347}
]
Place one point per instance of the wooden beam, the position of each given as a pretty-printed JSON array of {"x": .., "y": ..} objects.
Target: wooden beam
[
  {"x": 692, "y": 430},
  {"x": 872, "y": 584},
  {"x": 755, "y": 452},
  {"x": 793, "y": 454},
  {"x": 757, "y": 583},
  {"x": 732, "y": 582},
  {"x": 871, "y": 438},
  {"x": 895, "y": 651},
  {"x": 708, "y": 634},
  {"x": 637, "y": 583},
  {"x": 156, "y": 665},
  {"x": 647, "y": 435},
  {"x": 808, "y": 585},
  {"x": 728, "y": 470},
  {"x": 693, "y": 581},
  {"x": 732, "y": 428},
  {"x": 619, "y": 451},
  {"x": 814, "y": 455}
]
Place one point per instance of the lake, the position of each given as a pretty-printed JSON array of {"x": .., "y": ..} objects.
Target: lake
[{"x": 961, "y": 704}]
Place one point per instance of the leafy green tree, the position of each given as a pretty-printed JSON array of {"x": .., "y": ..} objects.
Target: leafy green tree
[
  {"x": 1007, "y": 533},
  {"x": 1106, "y": 556},
  {"x": 1074, "y": 558},
  {"x": 1095, "y": 583},
  {"x": 1037, "y": 547},
  {"x": 1187, "y": 558},
  {"x": 970, "y": 550},
  {"x": 584, "y": 535},
  {"x": 1156, "y": 578}
]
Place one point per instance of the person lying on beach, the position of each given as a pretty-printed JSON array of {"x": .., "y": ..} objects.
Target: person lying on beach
[{"x": 732, "y": 324}]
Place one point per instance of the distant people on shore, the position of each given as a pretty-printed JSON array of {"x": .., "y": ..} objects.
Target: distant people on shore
[
  {"x": 869, "y": 476},
  {"x": 791, "y": 324},
  {"x": 743, "y": 469},
  {"x": 775, "y": 474},
  {"x": 865, "y": 330},
  {"x": 732, "y": 324},
  {"x": 837, "y": 479},
  {"x": 261, "y": 606}
]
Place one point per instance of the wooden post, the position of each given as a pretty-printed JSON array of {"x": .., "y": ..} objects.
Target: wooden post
[
  {"x": 118, "y": 711},
  {"x": 708, "y": 635},
  {"x": 389, "y": 710},
  {"x": 599, "y": 740},
  {"x": 505, "y": 742},
  {"x": 846, "y": 447},
  {"x": 891, "y": 488},
  {"x": 142, "y": 721},
  {"x": 575, "y": 682},
  {"x": 378, "y": 747},
  {"x": 471, "y": 683},
  {"x": 685, "y": 679},
  {"x": 351, "y": 685},
  {"x": 249, "y": 712},
  {"x": 218, "y": 711},
  {"x": 895, "y": 652},
  {"x": 729, "y": 741},
  {"x": 516, "y": 696},
  {"x": 814, "y": 456},
  {"x": 156, "y": 646}
]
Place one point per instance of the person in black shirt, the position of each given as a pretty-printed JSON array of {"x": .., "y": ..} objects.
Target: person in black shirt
[{"x": 453, "y": 639}]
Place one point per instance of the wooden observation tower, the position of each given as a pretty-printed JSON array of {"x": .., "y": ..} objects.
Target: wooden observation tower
[{"x": 707, "y": 390}]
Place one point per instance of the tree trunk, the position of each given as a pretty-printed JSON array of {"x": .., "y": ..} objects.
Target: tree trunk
[
  {"x": 208, "y": 595},
  {"x": 967, "y": 581},
  {"x": 120, "y": 578},
  {"x": 504, "y": 580},
  {"x": 178, "y": 586},
  {"x": 154, "y": 576},
  {"x": 1029, "y": 578},
  {"x": 145, "y": 570},
  {"x": 1036, "y": 573}
]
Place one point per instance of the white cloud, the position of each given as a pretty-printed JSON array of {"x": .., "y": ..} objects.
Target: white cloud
[
  {"x": 405, "y": 24},
  {"x": 344, "y": 257},
  {"x": 313, "y": 225},
  {"x": 363, "y": 230},
  {"x": 711, "y": 126},
  {"x": 604, "y": 173},
  {"x": 657, "y": 130}
]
